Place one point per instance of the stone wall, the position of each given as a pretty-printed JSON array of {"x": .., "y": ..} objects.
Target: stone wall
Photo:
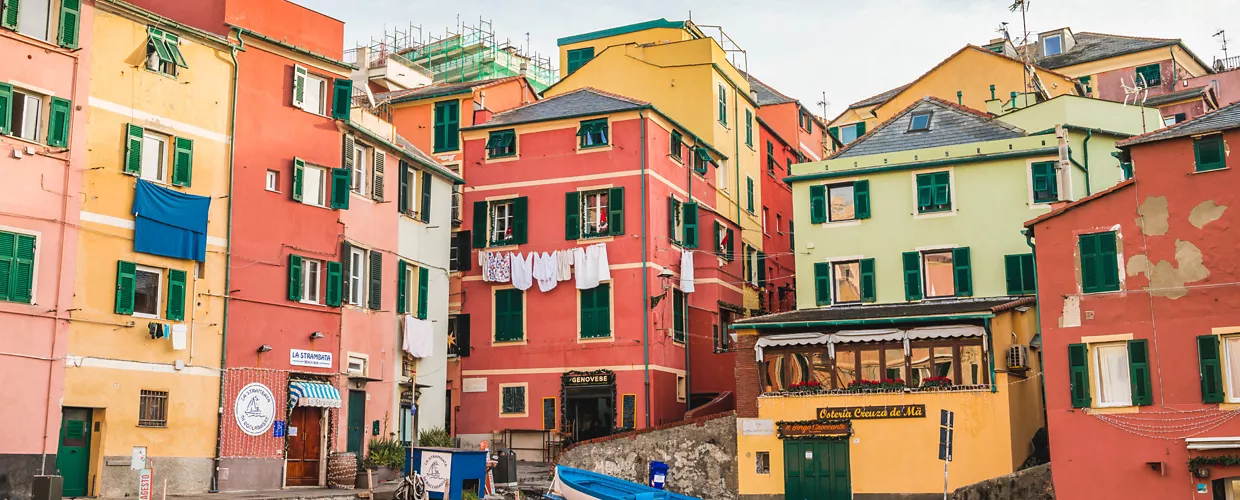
[
  {"x": 1033, "y": 483},
  {"x": 700, "y": 455}
]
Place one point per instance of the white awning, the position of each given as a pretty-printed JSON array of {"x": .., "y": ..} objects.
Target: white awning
[
  {"x": 866, "y": 335},
  {"x": 870, "y": 335},
  {"x": 786, "y": 339},
  {"x": 945, "y": 331},
  {"x": 1218, "y": 443}
]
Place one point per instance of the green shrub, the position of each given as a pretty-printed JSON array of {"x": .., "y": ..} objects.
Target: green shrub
[
  {"x": 437, "y": 437},
  {"x": 386, "y": 452}
]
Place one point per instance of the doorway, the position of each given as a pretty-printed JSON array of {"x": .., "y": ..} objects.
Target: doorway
[
  {"x": 816, "y": 470},
  {"x": 304, "y": 446},
  {"x": 356, "y": 423},
  {"x": 73, "y": 454},
  {"x": 590, "y": 412}
]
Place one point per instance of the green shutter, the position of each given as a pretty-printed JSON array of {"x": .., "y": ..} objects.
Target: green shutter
[
  {"x": 817, "y": 204},
  {"x": 748, "y": 128},
  {"x": 673, "y": 210},
  {"x": 6, "y": 107},
  {"x": 183, "y": 162},
  {"x": 126, "y": 274},
  {"x": 925, "y": 192},
  {"x": 335, "y": 282},
  {"x": 1139, "y": 372},
  {"x": 157, "y": 42},
  {"x": 942, "y": 189},
  {"x": 718, "y": 239},
  {"x": 440, "y": 127},
  {"x": 868, "y": 283},
  {"x": 963, "y": 268},
  {"x": 1211, "y": 369},
  {"x": 452, "y": 126},
  {"x": 376, "y": 280},
  {"x": 176, "y": 295},
  {"x": 480, "y": 224},
  {"x": 520, "y": 224},
  {"x": 8, "y": 256},
  {"x": 173, "y": 43},
  {"x": 509, "y": 315},
  {"x": 70, "y": 19},
  {"x": 1012, "y": 273},
  {"x": 572, "y": 215},
  {"x": 133, "y": 149},
  {"x": 860, "y": 129},
  {"x": 723, "y": 105},
  {"x": 595, "y": 314},
  {"x": 578, "y": 58},
  {"x": 1045, "y": 183},
  {"x": 822, "y": 283},
  {"x": 423, "y": 291},
  {"x": 402, "y": 284},
  {"x": 1078, "y": 374},
  {"x": 615, "y": 209},
  {"x": 761, "y": 264},
  {"x": 861, "y": 199},
  {"x": 299, "y": 85},
  {"x": 678, "y": 316},
  {"x": 342, "y": 182},
  {"x": 676, "y": 147},
  {"x": 402, "y": 195},
  {"x": 730, "y": 252},
  {"x": 1151, "y": 73},
  {"x": 1099, "y": 264},
  {"x": 59, "y": 117},
  {"x": 9, "y": 19},
  {"x": 690, "y": 219},
  {"x": 912, "y": 275},
  {"x": 424, "y": 213},
  {"x": 23, "y": 271},
  {"x": 834, "y": 132},
  {"x": 294, "y": 278},
  {"x": 299, "y": 173},
  {"x": 342, "y": 98},
  {"x": 1208, "y": 153},
  {"x": 749, "y": 194}
]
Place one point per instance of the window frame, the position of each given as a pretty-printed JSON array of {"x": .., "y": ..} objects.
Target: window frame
[
  {"x": 156, "y": 37},
  {"x": 934, "y": 208},
  {"x": 852, "y": 127},
  {"x": 525, "y": 396},
  {"x": 1231, "y": 391},
  {"x": 925, "y": 273},
  {"x": 164, "y": 168},
  {"x": 601, "y": 210},
  {"x": 912, "y": 123},
  {"x": 273, "y": 181},
  {"x": 1054, "y": 188},
  {"x": 1058, "y": 38},
  {"x": 587, "y": 130},
  {"x": 41, "y": 116},
  {"x": 835, "y": 281},
  {"x": 362, "y": 359},
  {"x": 160, "y": 400},
  {"x": 676, "y": 147},
  {"x": 508, "y": 150},
  {"x": 323, "y": 91},
  {"x": 324, "y": 191},
  {"x": 852, "y": 354},
  {"x": 357, "y": 269},
  {"x": 306, "y": 286},
  {"x": 723, "y": 105},
  {"x": 360, "y": 170},
  {"x": 1198, "y": 165},
  {"x": 50, "y": 22},
  {"x": 17, "y": 234},
  {"x": 1145, "y": 69},
  {"x": 852, "y": 200},
  {"x": 159, "y": 273},
  {"x": 493, "y": 219},
  {"x": 1096, "y": 373}
]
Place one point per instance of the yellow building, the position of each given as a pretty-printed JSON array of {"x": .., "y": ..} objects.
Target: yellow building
[
  {"x": 684, "y": 71},
  {"x": 146, "y": 334}
]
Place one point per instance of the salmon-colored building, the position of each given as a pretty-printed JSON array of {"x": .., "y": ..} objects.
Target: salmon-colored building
[
  {"x": 43, "y": 83},
  {"x": 1141, "y": 334}
]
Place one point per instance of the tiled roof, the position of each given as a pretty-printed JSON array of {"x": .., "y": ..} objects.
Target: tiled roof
[
  {"x": 1225, "y": 118},
  {"x": 1095, "y": 46},
  {"x": 950, "y": 124},
  {"x": 1077, "y": 204},
  {"x": 1177, "y": 96},
  {"x": 437, "y": 90},
  {"x": 580, "y": 102},
  {"x": 620, "y": 30},
  {"x": 767, "y": 96},
  {"x": 880, "y": 98},
  {"x": 884, "y": 311}
]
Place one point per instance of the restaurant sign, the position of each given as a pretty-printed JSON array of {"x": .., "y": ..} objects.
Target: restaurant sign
[
  {"x": 872, "y": 412},
  {"x": 580, "y": 379},
  {"x": 815, "y": 429}
]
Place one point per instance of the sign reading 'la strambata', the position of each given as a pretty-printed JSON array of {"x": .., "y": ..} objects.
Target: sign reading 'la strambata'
[{"x": 872, "y": 412}]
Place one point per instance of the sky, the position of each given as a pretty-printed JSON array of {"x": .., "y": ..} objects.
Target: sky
[{"x": 849, "y": 50}]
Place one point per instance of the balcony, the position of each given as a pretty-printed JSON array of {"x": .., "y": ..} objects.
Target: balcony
[
  {"x": 388, "y": 69},
  {"x": 1227, "y": 64}
]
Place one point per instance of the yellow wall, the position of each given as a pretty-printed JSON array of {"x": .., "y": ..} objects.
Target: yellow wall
[
  {"x": 112, "y": 356},
  {"x": 653, "y": 35}
]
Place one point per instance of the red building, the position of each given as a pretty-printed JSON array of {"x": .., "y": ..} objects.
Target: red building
[
  {"x": 582, "y": 359},
  {"x": 1141, "y": 319}
]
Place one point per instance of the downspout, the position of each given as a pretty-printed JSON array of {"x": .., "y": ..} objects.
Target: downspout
[
  {"x": 1037, "y": 318},
  {"x": 994, "y": 386},
  {"x": 645, "y": 270},
  {"x": 1089, "y": 134},
  {"x": 232, "y": 157}
]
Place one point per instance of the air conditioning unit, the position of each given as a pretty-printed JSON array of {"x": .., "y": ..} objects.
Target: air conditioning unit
[{"x": 1018, "y": 357}]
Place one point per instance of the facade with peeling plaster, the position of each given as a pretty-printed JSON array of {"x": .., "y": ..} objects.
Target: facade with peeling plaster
[{"x": 1139, "y": 288}]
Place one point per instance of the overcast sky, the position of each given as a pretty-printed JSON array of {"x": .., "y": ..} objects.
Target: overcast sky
[{"x": 850, "y": 50}]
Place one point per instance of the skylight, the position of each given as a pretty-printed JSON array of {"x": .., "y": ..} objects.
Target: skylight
[{"x": 920, "y": 122}]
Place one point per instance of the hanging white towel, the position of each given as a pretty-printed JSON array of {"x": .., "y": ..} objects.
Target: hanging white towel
[
  {"x": 419, "y": 337},
  {"x": 484, "y": 264},
  {"x": 564, "y": 267},
  {"x": 686, "y": 271},
  {"x": 178, "y": 337},
  {"x": 604, "y": 268},
  {"x": 585, "y": 264},
  {"x": 522, "y": 271},
  {"x": 546, "y": 271}
]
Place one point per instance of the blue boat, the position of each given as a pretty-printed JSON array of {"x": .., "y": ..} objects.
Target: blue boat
[{"x": 577, "y": 484}]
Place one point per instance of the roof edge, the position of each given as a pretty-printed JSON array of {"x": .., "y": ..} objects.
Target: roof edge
[{"x": 620, "y": 30}]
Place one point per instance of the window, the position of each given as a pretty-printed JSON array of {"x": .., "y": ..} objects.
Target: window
[
  {"x": 596, "y": 312},
  {"x": 273, "y": 181},
  {"x": 154, "y": 157},
  {"x": 748, "y": 128},
  {"x": 847, "y": 282},
  {"x": 146, "y": 291},
  {"x": 779, "y": 223},
  {"x": 509, "y": 315},
  {"x": 1150, "y": 75},
  {"x": 153, "y": 409},
  {"x": 771, "y": 163},
  {"x": 765, "y": 213},
  {"x": 762, "y": 462},
  {"x": 1087, "y": 81},
  {"x": 578, "y": 58},
  {"x": 163, "y": 52},
  {"x": 1099, "y": 262},
  {"x": 502, "y": 143},
  {"x": 721, "y": 175},
  {"x": 593, "y": 133},
  {"x": 501, "y": 223},
  {"x": 357, "y": 277},
  {"x": 357, "y": 365},
  {"x": 843, "y": 206},
  {"x": 458, "y": 252},
  {"x": 676, "y": 146},
  {"x": 920, "y": 121},
  {"x": 594, "y": 209},
  {"x": 512, "y": 399},
  {"x": 17, "y": 253},
  {"x": 1021, "y": 274},
  {"x": 1209, "y": 153},
  {"x": 147, "y": 153},
  {"x": 681, "y": 388},
  {"x": 934, "y": 192},
  {"x": 32, "y": 18},
  {"x": 310, "y": 281},
  {"x": 749, "y": 194},
  {"x": 314, "y": 186},
  {"x": 940, "y": 274},
  {"x": 683, "y": 223},
  {"x": 723, "y": 241},
  {"x": 1174, "y": 119},
  {"x": 315, "y": 93},
  {"x": 1052, "y": 45},
  {"x": 680, "y": 315},
  {"x": 26, "y": 115},
  {"x": 701, "y": 161},
  {"x": 959, "y": 361},
  {"x": 1045, "y": 181},
  {"x": 849, "y": 133},
  {"x": 1231, "y": 355},
  {"x": 1111, "y": 375},
  {"x": 447, "y": 126},
  {"x": 806, "y": 121},
  {"x": 723, "y": 105},
  {"x": 407, "y": 289},
  {"x": 946, "y": 273},
  {"x": 751, "y": 264},
  {"x": 358, "y": 172}
]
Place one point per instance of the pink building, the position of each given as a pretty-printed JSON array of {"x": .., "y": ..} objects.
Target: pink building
[{"x": 42, "y": 123}]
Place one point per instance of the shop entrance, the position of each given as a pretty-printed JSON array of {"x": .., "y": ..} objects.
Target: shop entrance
[
  {"x": 816, "y": 470},
  {"x": 589, "y": 404},
  {"x": 73, "y": 456},
  {"x": 304, "y": 446}
]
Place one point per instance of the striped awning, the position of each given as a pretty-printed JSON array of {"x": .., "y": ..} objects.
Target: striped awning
[{"x": 313, "y": 394}]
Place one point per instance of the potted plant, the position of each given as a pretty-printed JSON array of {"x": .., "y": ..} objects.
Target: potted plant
[
  {"x": 936, "y": 383},
  {"x": 386, "y": 458}
]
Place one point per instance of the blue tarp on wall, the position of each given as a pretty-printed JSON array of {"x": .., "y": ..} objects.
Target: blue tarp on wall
[{"x": 170, "y": 223}]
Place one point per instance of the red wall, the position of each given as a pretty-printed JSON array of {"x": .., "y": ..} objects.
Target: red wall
[
  {"x": 289, "y": 23},
  {"x": 206, "y": 15},
  {"x": 1097, "y": 459},
  {"x": 777, "y": 200}
]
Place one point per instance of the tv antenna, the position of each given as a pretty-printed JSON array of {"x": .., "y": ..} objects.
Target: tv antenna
[
  {"x": 1223, "y": 34},
  {"x": 1025, "y": 55},
  {"x": 824, "y": 104}
]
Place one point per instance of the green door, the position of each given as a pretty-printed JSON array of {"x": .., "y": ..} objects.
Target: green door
[
  {"x": 357, "y": 422},
  {"x": 73, "y": 455},
  {"x": 816, "y": 470}
]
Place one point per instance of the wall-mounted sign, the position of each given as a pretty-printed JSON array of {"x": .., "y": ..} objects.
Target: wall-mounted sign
[
  {"x": 436, "y": 470},
  {"x": 815, "y": 428},
  {"x": 872, "y": 412},
  {"x": 137, "y": 460},
  {"x": 580, "y": 379},
  {"x": 144, "y": 484},
  {"x": 277, "y": 429},
  {"x": 477, "y": 384},
  {"x": 313, "y": 359},
  {"x": 255, "y": 409},
  {"x": 757, "y": 427}
]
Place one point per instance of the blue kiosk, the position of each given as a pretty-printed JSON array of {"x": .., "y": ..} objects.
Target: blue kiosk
[{"x": 452, "y": 469}]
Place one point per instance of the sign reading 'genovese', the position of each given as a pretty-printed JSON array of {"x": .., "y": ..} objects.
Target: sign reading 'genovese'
[
  {"x": 592, "y": 379},
  {"x": 872, "y": 412}
]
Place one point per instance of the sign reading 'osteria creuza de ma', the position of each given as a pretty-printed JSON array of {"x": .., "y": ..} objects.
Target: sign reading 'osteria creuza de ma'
[{"x": 872, "y": 412}]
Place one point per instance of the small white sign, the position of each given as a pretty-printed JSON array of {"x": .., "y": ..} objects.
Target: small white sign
[
  {"x": 757, "y": 427},
  {"x": 144, "y": 484},
  {"x": 437, "y": 471},
  {"x": 478, "y": 384},
  {"x": 809, "y": 455},
  {"x": 313, "y": 359},
  {"x": 137, "y": 461},
  {"x": 255, "y": 409},
  {"x": 292, "y": 431}
]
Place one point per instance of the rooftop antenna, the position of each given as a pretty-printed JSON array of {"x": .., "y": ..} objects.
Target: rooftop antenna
[
  {"x": 1023, "y": 7},
  {"x": 824, "y": 104},
  {"x": 1223, "y": 34}
]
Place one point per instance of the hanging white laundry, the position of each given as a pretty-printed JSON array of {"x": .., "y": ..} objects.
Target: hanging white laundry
[
  {"x": 564, "y": 261},
  {"x": 522, "y": 271},
  {"x": 604, "y": 268},
  {"x": 686, "y": 271},
  {"x": 178, "y": 337},
  {"x": 484, "y": 264},
  {"x": 419, "y": 339},
  {"x": 585, "y": 263},
  {"x": 546, "y": 271}
]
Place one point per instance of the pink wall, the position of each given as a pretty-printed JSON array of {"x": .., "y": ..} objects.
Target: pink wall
[
  {"x": 289, "y": 23},
  {"x": 1226, "y": 85},
  {"x": 207, "y": 15}
]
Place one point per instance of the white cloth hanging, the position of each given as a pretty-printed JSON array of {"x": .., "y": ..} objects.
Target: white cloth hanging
[
  {"x": 604, "y": 268},
  {"x": 419, "y": 339},
  {"x": 587, "y": 275},
  {"x": 178, "y": 337},
  {"x": 686, "y": 271},
  {"x": 564, "y": 264},
  {"x": 546, "y": 271},
  {"x": 522, "y": 271}
]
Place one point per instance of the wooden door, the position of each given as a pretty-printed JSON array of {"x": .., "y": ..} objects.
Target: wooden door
[
  {"x": 305, "y": 448},
  {"x": 816, "y": 470},
  {"x": 73, "y": 456}
]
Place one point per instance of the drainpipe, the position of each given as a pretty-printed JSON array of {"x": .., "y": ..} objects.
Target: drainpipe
[
  {"x": 232, "y": 157},
  {"x": 1037, "y": 301},
  {"x": 994, "y": 386},
  {"x": 645, "y": 270},
  {"x": 1089, "y": 134},
  {"x": 960, "y": 97}
]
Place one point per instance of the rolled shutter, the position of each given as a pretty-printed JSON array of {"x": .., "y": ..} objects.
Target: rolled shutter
[
  {"x": 299, "y": 85},
  {"x": 868, "y": 283},
  {"x": 6, "y": 98},
  {"x": 1210, "y": 366},
  {"x": 480, "y": 224},
  {"x": 377, "y": 175},
  {"x": 402, "y": 284},
  {"x": 346, "y": 270},
  {"x": 572, "y": 215},
  {"x": 402, "y": 197},
  {"x": 176, "y": 295},
  {"x": 423, "y": 291},
  {"x": 183, "y": 162},
  {"x": 9, "y": 19},
  {"x": 294, "y": 278},
  {"x": 615, "y": 207},
  {"x": 342, "y": 182},
  {"x": 963, "y": 267},
  {"x": 912, "y": 275},
  {"x": 133, "y": 149},
  {"x": 1139, "y": 372},
  {"x": 335, "y": 275},
  {"x": 299, "y": 174},
  {"x": 817, "y": 204},
  {"x": 691, "y": 225},
  {"x": 861, "y": 199},
  {"x": 1078, "y": 374},
  {"x": 58, "y": 123},
  {"x": 342, "y": 98},
  {"x": 70, "y": 20},
  {"x": 126, "y": 274},
  {"x": 520, "y": 225},
  {"x": 462, "y": 335},
  {"x": 376, "y": 280},
  {"x": 822, "y": 283},
  {"x": 424, "y": 212},
  {"x": 23, "y": 270}
]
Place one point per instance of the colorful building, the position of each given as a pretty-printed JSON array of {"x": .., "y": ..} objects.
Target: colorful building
[
  {"x": 1139, "y": 309},
  {"x": 44, "y": 74},
  {"x": 606, "y": 349},
  {"x": 778, "y": 289},
  {"x": 805, "y": 132}
]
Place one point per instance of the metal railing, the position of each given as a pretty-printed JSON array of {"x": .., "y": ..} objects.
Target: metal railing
[{"x": 1227, "y": 64}]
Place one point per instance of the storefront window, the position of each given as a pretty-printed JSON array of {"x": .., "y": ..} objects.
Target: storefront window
[
  {"x": 943, "y": 363},
  {"x": 971, "y": 365},
  {"x": 870, "y": 368},
  {"x": 920, "y": 361},
  {"x": 930, "y": 363},
  {"x": 773, "y": 373},
  {"x": 893, "y": 367},
  {"x": 799, "y": 368},
  {"x": 845, "y": 368},
  {"x": 822, "y": 370}
]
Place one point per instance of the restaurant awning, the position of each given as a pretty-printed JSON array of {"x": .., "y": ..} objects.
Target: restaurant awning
[
  {"x": 313, "y": 394},
  {"x": 868, "y": 335}
]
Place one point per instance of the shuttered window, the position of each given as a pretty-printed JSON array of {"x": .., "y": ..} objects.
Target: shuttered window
[
  {"x": 294, "y": 278},
  {"x": 183, "y": 162},
  {"x": 676, "y": 147},
  {"x": 723, "y": 105},
  {"x": 376, "y": 280},
  {"x": 1151, "y": 74},
  {"x": 502, "y": 143},
  {"x": 1020, "y": 273},
  {"x": 868, "y": 282},
  {"x": 58, "y": 122},
  {"x": 1078, "y": 375},
  {"x": 749, "y": 128},
  {"x": 724, "y": 241},
  {"x": 402, "y": 287},
  {"x": 1139, "y": 372},
  {"x": 817, "y": 204},
  {"x": 822, "y": 283},
  {"x": 861, "y": 199},
  {"x": 675, "y": 220},
  {"x": 596, "y": 312},
  {"x": 680, "y": 316},
  {"x": 593, "y": 133},
  {"x": 1209, "y": 364},
  {"x": 1099, "y": 262},
  {"x": 342, "y": 180},
  {"x": 749, "y": 205},
  {"x": 578, "y": 58},
  {"x": 342, "y": 98},
  {"x": 912, "y": 275},
  {"x": 424, "y": 211},
  {"x": 423, "y": 292},
  {"x": 509, "y": 315},
  {"x": 176, "y": 295},
  {"x": 1045, "y": 182},
  {"x": 962, "y": 267},
  {"x": 690, "y": 222},
  {"x": 1208, "y": 152},
  {"x": 70, "y": 23},
  {"x": 447, "y": 122},
  {"x": 335, "y": 283},
  {"x": 934, "y": 192},
  {"x": 17, "y": 253}
]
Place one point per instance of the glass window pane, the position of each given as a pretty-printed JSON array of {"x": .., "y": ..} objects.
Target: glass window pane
[
  {"x": 847, "y": 278},
  {"x": 870, "y": 368},
  {"x": 799, "y": 367},
  {"x": 842, "y": 203},
  {"x": 845, "y": 367},
  {"x": 848, "y": 133},
  {"x": 1114, "y": 388},
  {"x": 33, "y": 18},
  {"x": 146, "y": 293},
  {"x": 773, "y": 373},
  {"x": 153, "y": 156},
  {"x": 971, "y": 365},
  {"x": 921, "y": 366},
  {"x": 943, "y": 363},
  {"x": 821, "y": 364},
  {"x": 940, "y": 276},
  {"x": 894, "y": 363},
  {"x": 1232, "y": 351}
]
